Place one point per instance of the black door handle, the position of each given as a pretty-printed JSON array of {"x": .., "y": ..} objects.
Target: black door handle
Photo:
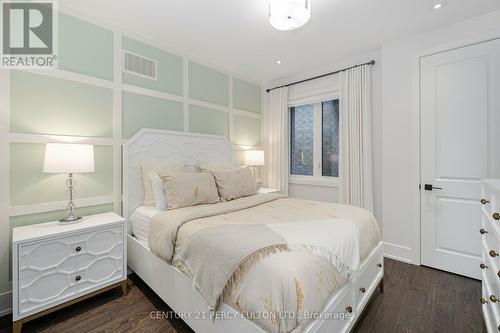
[{"x": 429, "y": 187}]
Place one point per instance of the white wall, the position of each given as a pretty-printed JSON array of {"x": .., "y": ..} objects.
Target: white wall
[
  {"x": 331, "y": 83},
  {"x": 401, "y": 226}
]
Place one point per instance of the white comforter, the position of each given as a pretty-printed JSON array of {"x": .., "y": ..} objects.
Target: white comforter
[{"x": 278, "y": 291}]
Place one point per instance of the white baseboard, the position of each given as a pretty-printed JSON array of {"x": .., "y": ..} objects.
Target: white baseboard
[
  {"x": 398, "y": 252},
  {"x": 5, "y": 303}
]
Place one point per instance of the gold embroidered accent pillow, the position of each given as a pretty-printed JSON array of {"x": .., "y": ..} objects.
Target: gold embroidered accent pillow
[
  {"x": 235, "y": 183},
  {"x": 190, "y": 189},
  {"x": 162, "y": 171}
]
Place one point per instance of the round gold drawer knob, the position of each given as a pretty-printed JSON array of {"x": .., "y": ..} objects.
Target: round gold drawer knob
[
  {"x": 493, "y": 298},
  {"x": 363, "y": 290},
  {"x": 496, "y": 216},
  {"x": 483, "y": 266},
  {"x": 78, "y": 249},
  {"x": 493, "y": 254},
  {"x": 482, "y": 231},
  {"x": 78, "y": 278},
  {"x": 498, "y": 273},
  {"x": 379, "y": 265},
  {"x": 484, "y": 201},
  {"x": 348, "y": 309},
  {"x": 482, "y": 300}
]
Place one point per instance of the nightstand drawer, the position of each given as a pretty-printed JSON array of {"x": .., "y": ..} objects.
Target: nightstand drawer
[{"x": 54, "y": 270}]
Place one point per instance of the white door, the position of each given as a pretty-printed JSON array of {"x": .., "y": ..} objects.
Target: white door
[{"x": 460, "y": 143}]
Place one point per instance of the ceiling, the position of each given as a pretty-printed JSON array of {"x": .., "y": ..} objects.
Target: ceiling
[{"x": 236, "y": 35}]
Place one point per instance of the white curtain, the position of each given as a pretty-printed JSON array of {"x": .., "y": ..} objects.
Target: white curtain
[
  {"x": 356, "y": 149},
  {"x": 275, "y": 126}
]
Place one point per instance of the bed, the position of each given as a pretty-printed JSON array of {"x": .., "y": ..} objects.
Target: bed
[{"x": 334, "y": 309}]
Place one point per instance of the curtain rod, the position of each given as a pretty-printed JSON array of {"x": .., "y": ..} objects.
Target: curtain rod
[{"x": 320, "y": 76}]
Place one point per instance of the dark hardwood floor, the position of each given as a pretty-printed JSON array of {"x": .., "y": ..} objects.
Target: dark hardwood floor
[{"x": 415, "y": 299}]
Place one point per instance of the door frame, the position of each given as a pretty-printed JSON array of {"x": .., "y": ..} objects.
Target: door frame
[{"x": 415, "y": 134}]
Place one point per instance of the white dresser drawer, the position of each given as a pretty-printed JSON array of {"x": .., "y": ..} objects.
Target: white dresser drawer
[
  {"x": 490, "y": 275},
  {"x": 491, "y": 204},
  {"x": 491, "y": 245},
  {"x": 52, "y": 271}
]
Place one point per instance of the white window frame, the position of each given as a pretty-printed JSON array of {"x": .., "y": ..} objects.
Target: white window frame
[{"x": 317, "y": 179}]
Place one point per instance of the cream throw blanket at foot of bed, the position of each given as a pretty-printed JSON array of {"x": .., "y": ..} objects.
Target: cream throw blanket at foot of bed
[
  {"x": 216, "y": 257},
  {"x": 335, "y": 240}
]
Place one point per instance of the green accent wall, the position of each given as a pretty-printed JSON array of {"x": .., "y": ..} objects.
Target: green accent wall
[
  {"x": 54, "y": 103},
  {"x": 29, "y": 185},
  {"x": 209, "y": 85},
  {"x": 22, "y": 220},
  {"x": 85, "y": 48},
  {"x": 46, "y": 105},
  {"x": 169, "y": 69},
  {"x": 140, "y": 111},
  {"x": 208, "y": 121},
  {"x": 246, "y": 130},
  {"x": 246, "y": 96}
]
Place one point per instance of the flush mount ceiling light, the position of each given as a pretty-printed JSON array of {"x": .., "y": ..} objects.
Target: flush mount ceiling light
[
  {"x": 286, "y": 15},
  {"x": 439, "y": 5}
]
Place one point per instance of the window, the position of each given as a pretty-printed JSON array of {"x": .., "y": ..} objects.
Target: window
[{"x": 314, "y": 139}]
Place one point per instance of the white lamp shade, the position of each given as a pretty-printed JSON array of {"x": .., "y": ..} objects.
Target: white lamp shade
[
  {"x": 288, "y": 15},
  {"x": 254, "y": 157},
  {"x": 68, "y": 158}
]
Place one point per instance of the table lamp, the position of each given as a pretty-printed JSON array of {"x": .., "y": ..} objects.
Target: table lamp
[
  {"x": 69, "y": 158},
  {"x": 254, "y": 158}
]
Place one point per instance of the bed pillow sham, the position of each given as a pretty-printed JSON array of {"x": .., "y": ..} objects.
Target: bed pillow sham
[
  {"x": 158, "y": 191},
  {"x": 162, "y": 171},
  {"x": 190, "y": 189},
  {"x": 234, "y": 183}
]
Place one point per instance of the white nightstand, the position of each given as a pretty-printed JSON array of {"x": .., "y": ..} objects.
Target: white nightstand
[
  {"x": 268, "y": 190},
  {"x": 55, "y": 265}
]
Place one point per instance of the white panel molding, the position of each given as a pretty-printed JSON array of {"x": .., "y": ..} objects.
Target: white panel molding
[
  {"x": 5, "y": 296},
  {"x": 398, "y": 252},
  {"x": 185, "y": 93},
  {"x": 45, "y": 207},
  {"x": 72, "y": 76},
  {"x": 209, "y": 105},
  {"x": 6, "y": 302},
  {"x": 231, "y": 110},
  {"x": 117, "y": 121},
  {"x": 47, "y": 138},
  {"x": 151, "y": 93},
  {"x": 247, "y": 113},
  {"x": 224, "y": 108}
]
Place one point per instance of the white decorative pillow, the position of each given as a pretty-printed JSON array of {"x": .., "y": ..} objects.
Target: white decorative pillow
[
  {"x": 190, "y": 189},
  {"x": 158, "y": 191},
  {"x": 162, "y": 171},
  {"x": 235, "y": 183},
  {"x": 206, "y": 166}
]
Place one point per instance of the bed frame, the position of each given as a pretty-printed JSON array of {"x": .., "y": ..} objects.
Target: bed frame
[{"x": 172, "y": 286}]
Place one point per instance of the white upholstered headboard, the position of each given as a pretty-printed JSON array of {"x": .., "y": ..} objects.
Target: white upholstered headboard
[{"x": 159, "y": 147}]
